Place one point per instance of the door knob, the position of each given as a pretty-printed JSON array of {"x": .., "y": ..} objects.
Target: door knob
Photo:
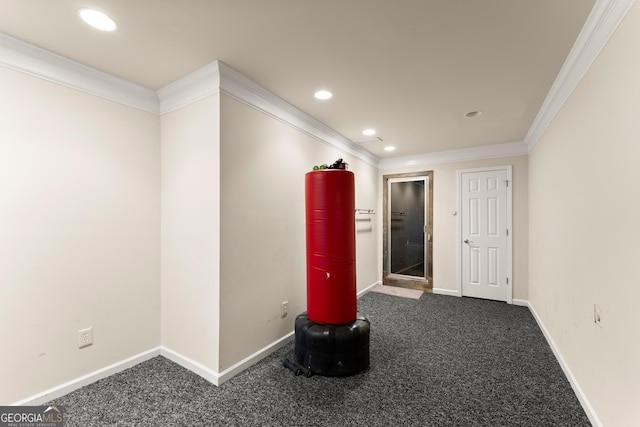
[{"x": 467, "y": 241}]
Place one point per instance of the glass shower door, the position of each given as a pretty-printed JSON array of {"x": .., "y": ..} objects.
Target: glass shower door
[{"x": 407, "y": 224}]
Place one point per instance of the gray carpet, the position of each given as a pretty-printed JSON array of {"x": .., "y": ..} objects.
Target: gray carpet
[{"x": 436, "y": 361}]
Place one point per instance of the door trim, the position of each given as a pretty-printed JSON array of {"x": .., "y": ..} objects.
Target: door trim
[
  {"x": 407, "y": 281},
  {"x": 508, "y": 169},
  {"x": 425, "y": 236}
]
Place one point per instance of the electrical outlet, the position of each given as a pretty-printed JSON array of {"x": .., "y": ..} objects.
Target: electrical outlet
[
  {"x": 597, "y": 314},
  {"x": 85, "y": 337},
  {"x": 284, "y": 309}
]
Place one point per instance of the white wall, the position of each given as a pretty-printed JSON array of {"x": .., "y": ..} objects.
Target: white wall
[
  {"x": 79, "y": 233},
  {"x": 262, "y": 252},
  {"x": 584, "y": 210},
  {"x": 233, "y": 234},
  {"x": 191, "y": 231},
  {"x": 94, "y": 198},
  {"x": 445, "y": 224},
  {"x": 113, "y": 220}
]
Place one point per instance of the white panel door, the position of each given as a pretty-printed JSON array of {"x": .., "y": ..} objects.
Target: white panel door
[{"x": 484, "y": 232}]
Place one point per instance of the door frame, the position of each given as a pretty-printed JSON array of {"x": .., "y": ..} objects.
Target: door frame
[
  {"x": 425, "y": 233},
  {"x": 406, "y": 281},
  {"x": 508, "y": 169}
]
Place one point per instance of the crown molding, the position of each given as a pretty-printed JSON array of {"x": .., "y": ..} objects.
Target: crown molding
[
  {"x": 198, "y": 84},
  {"x": 210, "y": 79},
  {"x": 216, "y": 77},
  {"x": 507, "y": 149},
  {"x": 602, "y": 22},
  {"x": 23, "y": 57},
  {"x": 220, "y": 77},
  {"x": 245, "y": 90}
]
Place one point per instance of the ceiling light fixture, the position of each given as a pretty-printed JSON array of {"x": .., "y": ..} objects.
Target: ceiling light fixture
[
  {"x": 369, "y": 132},
  {"x": 472, "y": 114},
  {"x": 323, "y": 95},
  {"x": 389, "y": 148},
  {"x": 97, "y": 19}
]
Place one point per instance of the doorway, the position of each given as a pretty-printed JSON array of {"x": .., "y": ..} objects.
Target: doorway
[
  {"x": 408, "y": 230},
  {"x": 485, "y": 242}
]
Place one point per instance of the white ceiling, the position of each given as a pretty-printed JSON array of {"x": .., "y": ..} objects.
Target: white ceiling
[{"x": 410, "y": 69}]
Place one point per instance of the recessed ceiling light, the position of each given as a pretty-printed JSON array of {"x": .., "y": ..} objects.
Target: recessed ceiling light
[
  {"x": 472, "y": 114},
  {"x": 323, "y": 94},
  {"x": 389, "y": 148},
  {"x": 369, "y": 132},
  {"x": 97, "y": 19}
]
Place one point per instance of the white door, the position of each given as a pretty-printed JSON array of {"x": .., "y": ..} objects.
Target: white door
[{"x": 485, "y": 244}]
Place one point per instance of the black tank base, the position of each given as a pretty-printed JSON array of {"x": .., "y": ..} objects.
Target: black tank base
[{"x": 332, "y": 350}]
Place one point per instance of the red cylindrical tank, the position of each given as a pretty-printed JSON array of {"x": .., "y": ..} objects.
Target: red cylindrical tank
[{"x": 331, "y": 246}]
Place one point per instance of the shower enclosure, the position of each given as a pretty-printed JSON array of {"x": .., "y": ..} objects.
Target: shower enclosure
[{"x": 408, "y": 230}]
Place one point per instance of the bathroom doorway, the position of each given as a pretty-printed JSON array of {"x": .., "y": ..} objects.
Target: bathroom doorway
[{"x": 408, "y": 230}]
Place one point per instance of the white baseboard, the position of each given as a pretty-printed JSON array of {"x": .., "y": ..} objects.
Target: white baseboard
[
  {"x": 218, "y": 378},
  {"x": 197, "y": 368},
  {"x": 368, "y": 289},
  {"x": 442, "y": 291},
  {"x": 209, "y": 374},
  {"x": 265, "y": 351},
  {"x": 454, "y": 293},
  {"x": 68, "y": 387},
  {"x": 254, "y": 358},
  {"x": 520, "y": 302},
  {"x": 586, "y": 405}
]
